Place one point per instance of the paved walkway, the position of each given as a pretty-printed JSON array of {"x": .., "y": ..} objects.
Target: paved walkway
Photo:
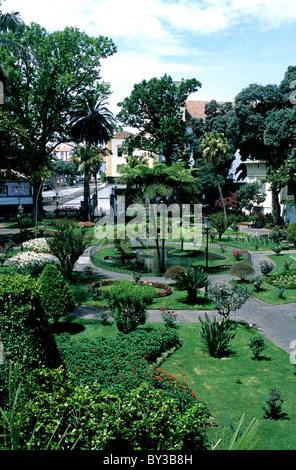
[{"x": 275, "y": 322}]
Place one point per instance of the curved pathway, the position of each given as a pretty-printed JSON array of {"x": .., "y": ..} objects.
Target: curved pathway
[{"x": 275, "y": 322}]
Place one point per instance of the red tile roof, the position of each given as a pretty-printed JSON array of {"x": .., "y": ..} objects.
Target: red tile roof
[{"x": 196, "y": 109}]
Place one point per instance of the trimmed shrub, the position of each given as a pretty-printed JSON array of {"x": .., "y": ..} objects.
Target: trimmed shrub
[
  {"x": 242, "y": 270},
  {"x": 24, "y": 329},
  {"x": 56, "y": 298},
  {"x": 172, "y": 271},
  {"x": 137, "y": 419},
  {"x": 95, "y": 288},
  {"x": 128, "y": 302},
  {"x": 266, "y": 267}
]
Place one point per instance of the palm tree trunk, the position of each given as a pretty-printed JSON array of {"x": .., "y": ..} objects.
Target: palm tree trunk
[
  {"x": 155, "y": 231},
  {"x": 86, "y": 209},
  {"x": 222, "y": 199}
]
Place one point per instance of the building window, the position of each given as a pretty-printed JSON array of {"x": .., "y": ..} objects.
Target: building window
[{"x": 3, "y": 191}]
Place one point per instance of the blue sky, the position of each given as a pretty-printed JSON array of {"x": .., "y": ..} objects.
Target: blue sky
[{"x": 225, "y": 44}]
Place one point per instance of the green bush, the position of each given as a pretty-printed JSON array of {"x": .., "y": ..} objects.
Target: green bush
[
  {"x": 273, "y": 405},
  {"x": 91, "y": 418},
  {"x": 257, "y": 346},
  {"x": 291, "y": 233},
  {"x": 242, "y": 270},
  {"x": 216, "y": 335},
  {"x": 128, "y": 303},
  {"x": 228, "y": 298},
  {"x": 191, "y": 280},
  {"x": 172, "y": 271},
  {"x": 266, "y": 267},
  {"x": 24, "y": 329},
  {"x": 56, "y": 298}
]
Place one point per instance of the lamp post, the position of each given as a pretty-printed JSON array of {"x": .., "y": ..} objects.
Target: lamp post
[
  {"x": 21, "y": 210},
  {"x": 208, "y": 224}
]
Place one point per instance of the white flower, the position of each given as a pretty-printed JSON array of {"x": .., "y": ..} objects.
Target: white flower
[
  {"x": 40, "y": 245},
  {"x": 33, "y": 261}
]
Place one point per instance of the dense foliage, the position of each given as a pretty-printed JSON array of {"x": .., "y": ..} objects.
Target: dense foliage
[
  {"x": 24, "y": 328},
  {"x": 56, "y": 298}
]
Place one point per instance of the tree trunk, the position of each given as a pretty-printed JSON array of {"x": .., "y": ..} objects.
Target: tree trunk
[
  {"x": 86, "y": 211},
  {"x": 222, "y": 199},
  {"x": 276, "y": 208},
  {"x": 37, "y": 200}
]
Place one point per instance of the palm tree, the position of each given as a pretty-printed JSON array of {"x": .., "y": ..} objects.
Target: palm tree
[
  {"x": 10, "y": 21},
  {"x": 84, "y": 157},
  {"x": 214, "y": 147},
  {"x": 191, "y": 280},
  {"x": 169, "y": 183},
  {"x": 91, "y": 123}
]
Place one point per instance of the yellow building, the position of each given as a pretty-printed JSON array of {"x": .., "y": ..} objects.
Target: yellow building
[{"x": 117, "y": 158}]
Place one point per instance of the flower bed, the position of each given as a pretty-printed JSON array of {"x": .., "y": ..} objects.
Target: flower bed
[
  {"x": 288, "y": 281},
  {"x": 163, "y": 290},
  {"x": 32, "y": 262},
  {"x": 39, "y": 245}
]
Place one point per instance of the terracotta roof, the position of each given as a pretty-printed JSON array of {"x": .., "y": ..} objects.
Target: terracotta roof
[
  {"x": 122, "y": 135},
  {"x": 196, "y": 109}
]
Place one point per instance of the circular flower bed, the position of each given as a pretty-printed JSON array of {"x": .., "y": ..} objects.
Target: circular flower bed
[{"x": 163, "y": 290}]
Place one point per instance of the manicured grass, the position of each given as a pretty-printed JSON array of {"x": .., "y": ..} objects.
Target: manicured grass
[
  {"x": 231, "y": 386},
  {"x": 269, "y": 293},
  {"x": 238, "y": 384}
]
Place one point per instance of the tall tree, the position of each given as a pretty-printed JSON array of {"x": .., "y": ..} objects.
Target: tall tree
[
  {"x": 169, "y": 184},
  {"x": 214, "y": 147},
  {"x": 263, "y": 126},
  {"x": 93, "y": 124},
  {"x": 216, "y": 119},
  {"x": 42, "y": 89},
  {"x": 86, "y": 158},
  {"x": 155, "y": 108}
]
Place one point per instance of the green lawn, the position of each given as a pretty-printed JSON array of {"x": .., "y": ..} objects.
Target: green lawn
[
  {"x": 269, "y": 293},
  {"x": 231, "y": 386},
  {"x": 238, "y": 384}
]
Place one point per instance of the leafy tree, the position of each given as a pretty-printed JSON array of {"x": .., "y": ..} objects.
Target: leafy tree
[
  {"x": 67, "y": 245},
  {"x": 250, "y": 194},
  {"x": 285, "y": 174},
  {"x": 42, "y": 88},
  {"x": 214, "y": 147},
  {"x": 228, "y": 298},
  {"x": 217, "y": 116},
  {"x": 86, "y": 158},
  {"x": 262, "y": 124},
  {"x": 220, "y": 223},
  {"x": 155, "y": 108}
]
